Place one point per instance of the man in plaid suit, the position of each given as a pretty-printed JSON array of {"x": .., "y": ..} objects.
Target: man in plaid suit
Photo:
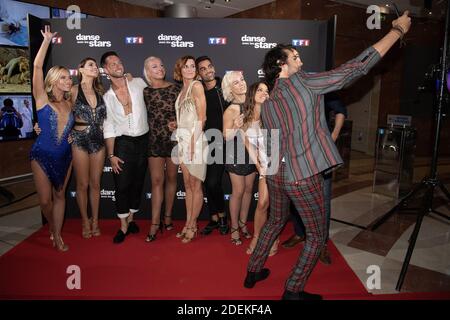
[{"x": 306, "y": 150}]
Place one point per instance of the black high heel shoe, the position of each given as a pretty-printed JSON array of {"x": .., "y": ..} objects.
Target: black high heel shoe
[
  {"x": 236, "y": 241},
  {"x": 168, "y": 226},
  {"x": 244, "y": 230},
  {"x": 152, "y": 237}
]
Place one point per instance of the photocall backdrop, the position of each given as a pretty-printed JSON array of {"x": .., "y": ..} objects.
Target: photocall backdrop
[{"x": 232, "y": 44}]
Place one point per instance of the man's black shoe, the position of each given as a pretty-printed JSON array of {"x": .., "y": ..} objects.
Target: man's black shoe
[
  {"x": 303, "y": 295},
  {"x": 223, "y": 226},
  {"x": 254, "y": 277},
  {"x": 132, "y": 227},
  {"x": 210, "y": 227},
  {"x": 120, "y": 236}
]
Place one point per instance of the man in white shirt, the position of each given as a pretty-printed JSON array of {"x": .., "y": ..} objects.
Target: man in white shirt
[{"x": 126, "y": 135}]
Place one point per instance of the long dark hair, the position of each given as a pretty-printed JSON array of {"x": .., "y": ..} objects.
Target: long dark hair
[
  {"x": 249, "y": 104},
  {"x": 273, "y": 61},
  {"x": 97, "y": 84}
]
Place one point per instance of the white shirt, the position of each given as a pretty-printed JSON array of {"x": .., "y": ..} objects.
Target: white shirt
[{"x": 117, "y": 123}]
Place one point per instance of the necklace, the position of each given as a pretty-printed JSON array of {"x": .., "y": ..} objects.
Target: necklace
[{"x": 126, "y": 104}]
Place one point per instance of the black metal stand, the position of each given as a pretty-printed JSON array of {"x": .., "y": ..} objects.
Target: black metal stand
[{"x": 429, "y": 184}]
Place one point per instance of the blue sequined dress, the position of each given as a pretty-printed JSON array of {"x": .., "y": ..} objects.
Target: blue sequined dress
[{"x": 53, "y": 153}]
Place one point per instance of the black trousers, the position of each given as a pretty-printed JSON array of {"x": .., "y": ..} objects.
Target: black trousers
[
  {"x": 213, "y": 188},
  {"x": 130, "y": 181},
  {"x": 213, "y": 180}
]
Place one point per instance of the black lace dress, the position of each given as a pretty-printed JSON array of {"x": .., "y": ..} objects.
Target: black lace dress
[{"x": 160, "y": 105}]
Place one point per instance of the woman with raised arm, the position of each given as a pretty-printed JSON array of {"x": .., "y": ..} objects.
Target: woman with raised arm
[
  {"x": 190, "y": 109},
  {"x": 51, "y": 155},
  {"x": 88, "y": 147}
]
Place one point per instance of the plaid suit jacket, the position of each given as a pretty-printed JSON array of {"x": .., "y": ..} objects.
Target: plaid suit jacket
[{"x": 295, "y": 108}]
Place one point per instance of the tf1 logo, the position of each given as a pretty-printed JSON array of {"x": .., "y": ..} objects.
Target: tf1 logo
[
  {"x": 217, "y": 41},
  {"x": 57, "y": 40},
  {"x": 134, "y": 40},
  {"x": 300, "y": 42}
]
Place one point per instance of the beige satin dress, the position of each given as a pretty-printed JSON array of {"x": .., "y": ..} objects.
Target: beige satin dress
[{"x": 186, "y": 119}]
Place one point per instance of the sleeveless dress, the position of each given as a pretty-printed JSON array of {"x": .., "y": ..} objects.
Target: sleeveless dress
[
  {"x": 53, "y": 153},
  {"x": 186, "y": 113},
  {"x": 237, "y": 158},
  {"x": 89, "y": 139},
  {"x": 256, "y": 138},
  {"x": 160, "y": 103}
]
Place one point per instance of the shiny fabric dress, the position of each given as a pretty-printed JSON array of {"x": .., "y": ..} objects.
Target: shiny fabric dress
[
  {"x": 186, "y": 120},
  {"x": 90, "y": 137},
  {"x": 53, "y": 153}
]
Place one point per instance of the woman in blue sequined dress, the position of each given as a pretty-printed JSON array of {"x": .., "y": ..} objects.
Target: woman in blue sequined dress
[{"x": 51, "y": 155}]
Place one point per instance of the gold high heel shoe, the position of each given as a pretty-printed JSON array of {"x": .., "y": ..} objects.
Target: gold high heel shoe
[
  {"x": 60, "y": 245},
  {"x": 94, "y": 228},
  {"x": 182, "y": 233},
  {"x": 187, "y": 239},
  {"x": 86, "y": 230}
]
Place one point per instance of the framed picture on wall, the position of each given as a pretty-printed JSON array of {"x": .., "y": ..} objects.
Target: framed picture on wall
[
  {"x": 16, "y": 117},
  {"x": 13, "y": 21},
  {"x": 14, "y": 70}
]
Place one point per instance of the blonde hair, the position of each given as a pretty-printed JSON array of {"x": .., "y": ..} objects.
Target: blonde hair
[
  {"x": 179, "y": 64},
  {"x": 51, "y": 78},
  {"x": 146, "y": 61},
  {"x": 226, "y": 85}
]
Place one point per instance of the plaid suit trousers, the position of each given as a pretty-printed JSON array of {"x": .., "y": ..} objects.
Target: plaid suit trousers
[{"x": 307, "y": 196}]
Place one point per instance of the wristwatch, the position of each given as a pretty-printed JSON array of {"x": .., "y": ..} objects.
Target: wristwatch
[{"x": 111, "y": 156}]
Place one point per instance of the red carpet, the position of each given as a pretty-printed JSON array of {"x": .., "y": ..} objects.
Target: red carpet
[{"x": 207, "y": 268}]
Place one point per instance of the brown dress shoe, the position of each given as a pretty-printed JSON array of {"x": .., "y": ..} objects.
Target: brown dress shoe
[
  {"x": 325, "y": 257},
  {"x": 292, "y": 241}
]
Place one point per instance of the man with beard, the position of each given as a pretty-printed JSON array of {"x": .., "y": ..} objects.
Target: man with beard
[
  {"x": 126, "y": 136},
  {"x": 216, "y": 106}
]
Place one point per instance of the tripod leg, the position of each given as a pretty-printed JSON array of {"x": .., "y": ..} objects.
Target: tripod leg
[
  {"x": 444, "y": 190},
  {"x": 413, "y": 238},
  {"x": 388, "y": 214}
]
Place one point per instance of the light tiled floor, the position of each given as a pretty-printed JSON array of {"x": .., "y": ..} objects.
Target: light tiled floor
[
  {"x": 430, "y": 264},
  {"x": 16, "y": 227}
]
